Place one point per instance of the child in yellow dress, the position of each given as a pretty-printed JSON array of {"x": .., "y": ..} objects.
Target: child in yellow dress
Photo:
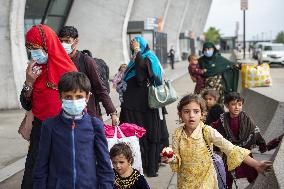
[{"x": 192, "y": 160}]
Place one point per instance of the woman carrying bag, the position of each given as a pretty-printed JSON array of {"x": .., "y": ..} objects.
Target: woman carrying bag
[{"x": 143, "y": 69}]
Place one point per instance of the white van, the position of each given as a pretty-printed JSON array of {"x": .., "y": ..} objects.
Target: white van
[{"x": 271, "y": 53}]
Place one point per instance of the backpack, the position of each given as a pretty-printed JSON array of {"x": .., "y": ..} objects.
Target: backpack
[
  {"x": 103, "y": 69},
  {"x": 104, "y": 72}
]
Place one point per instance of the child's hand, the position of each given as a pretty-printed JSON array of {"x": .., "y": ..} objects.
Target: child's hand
[
  {"x": 263, "y": 166},
  {"x": 167, "y": 160},
  {"x": 167, "y": 155}
]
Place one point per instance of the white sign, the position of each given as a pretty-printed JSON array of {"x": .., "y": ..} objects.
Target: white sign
[
  {"x": 151, "y": 24},
  {"x": 244, "y": 4}
]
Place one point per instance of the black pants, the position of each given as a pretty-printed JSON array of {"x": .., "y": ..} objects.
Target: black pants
[
  {"x": 172, "y": 60},
  {"x": 32, "y": 155}
]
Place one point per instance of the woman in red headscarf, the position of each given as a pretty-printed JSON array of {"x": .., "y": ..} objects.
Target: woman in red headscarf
[{"x": 39, "y": 94}]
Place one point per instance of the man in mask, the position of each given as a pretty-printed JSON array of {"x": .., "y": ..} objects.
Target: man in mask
[{"x": 68, "y": 36}]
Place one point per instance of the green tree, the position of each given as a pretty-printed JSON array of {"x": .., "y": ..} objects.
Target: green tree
[
  {"x": 280, "y": 37},
  {"x": 212, "y": 35}
]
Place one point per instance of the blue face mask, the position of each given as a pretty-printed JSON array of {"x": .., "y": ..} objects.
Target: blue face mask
[
  {"x": 39, "y": 56},
  {"x": 208, "y": 53},
  {"x": 74, "y": 107},
  {"x": 67, "y": 47}
]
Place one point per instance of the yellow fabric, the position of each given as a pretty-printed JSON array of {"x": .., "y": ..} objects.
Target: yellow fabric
[
  {"x": 256, "y": 76},
  {"x": 194, "y": 166}
]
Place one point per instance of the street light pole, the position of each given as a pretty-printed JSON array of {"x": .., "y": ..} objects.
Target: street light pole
[
  {"x": 244, "y": 36},
  {"x": 244, "y": 7}
]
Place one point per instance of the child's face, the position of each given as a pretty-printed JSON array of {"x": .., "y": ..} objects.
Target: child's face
[
  {"x": 193, "y": 60},
  {"x": 121, "y": 164},
  {"x": 191, "y": 115},
  {"x": 210, "y": 101},
  {"x": 74, "y": 95},
  {"x": 123, "y": 68},
  {"x": 234, "y": 107}
]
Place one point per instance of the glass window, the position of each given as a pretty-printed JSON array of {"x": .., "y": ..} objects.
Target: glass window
[
  {"x": 278, "y": 48},
  {"x": 35, "y": 8},
  {"x": 148, "y": 36},
  {"x": 52, "y": 12},
  {"x": 60, "y": 7},
  {"x": 267, "y": 48},
  {"x": 54, "y": 22}
]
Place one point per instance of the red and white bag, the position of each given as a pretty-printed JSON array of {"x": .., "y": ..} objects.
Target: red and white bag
[{"x": 132, "y": 141}]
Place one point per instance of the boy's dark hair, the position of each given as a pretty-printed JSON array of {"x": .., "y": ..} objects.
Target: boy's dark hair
[
  {"x": 68, "y": 31},
  {"x": 192, "y": 98},
  {"x": 73, "y": 81},
  {"x": 121, "y": 148},
  {"x": 233, "y": 96},
  {"x": 212, "y": 93}
]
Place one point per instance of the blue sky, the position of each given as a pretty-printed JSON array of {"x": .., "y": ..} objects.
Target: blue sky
[{"x": 264, "y": 18}]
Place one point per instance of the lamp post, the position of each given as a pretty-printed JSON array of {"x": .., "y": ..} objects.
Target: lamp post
[
  {"x": 244, "y": 7},
  {"x": 244, "y": 39}
]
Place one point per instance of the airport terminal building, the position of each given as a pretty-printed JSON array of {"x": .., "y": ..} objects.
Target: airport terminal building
[{"x": 103, "y": 27}]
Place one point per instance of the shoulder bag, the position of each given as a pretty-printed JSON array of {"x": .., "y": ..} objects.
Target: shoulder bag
[
  {"x": 160, "y": 96},
  {"x": 218, "y": 164}
]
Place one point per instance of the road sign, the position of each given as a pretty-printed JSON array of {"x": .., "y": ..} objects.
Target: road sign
[{"x": 244, "y": 4}]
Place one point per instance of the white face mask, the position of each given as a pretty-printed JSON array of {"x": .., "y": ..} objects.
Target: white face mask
[
  {"x": 39, "y": 56},
  {"x": 67, "y": 47},
  {"x": 74, "y": 107}
]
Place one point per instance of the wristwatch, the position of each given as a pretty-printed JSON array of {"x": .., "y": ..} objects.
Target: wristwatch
[{"x": 27, "y": 88}]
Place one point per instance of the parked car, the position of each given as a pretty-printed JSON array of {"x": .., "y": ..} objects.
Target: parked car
[{"x": 271, "y": 53}]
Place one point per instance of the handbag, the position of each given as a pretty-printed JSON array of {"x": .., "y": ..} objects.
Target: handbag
[
  {"x": 162, "y": 95},
  {"x": 133, "y": 142},
  {"x": 256, "y": 76},
  {"x": 218, "y": 165},
  {"x": 26, "y": 125}
]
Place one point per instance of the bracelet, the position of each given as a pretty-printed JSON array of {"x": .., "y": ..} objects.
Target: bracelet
[{"x": 27, "y": 87}]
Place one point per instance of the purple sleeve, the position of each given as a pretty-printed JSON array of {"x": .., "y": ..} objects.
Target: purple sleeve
[
  {"x": 216, "y": 124},
  {"x": 195, "y": 70},
  {"x": 105, "y": 174}
]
